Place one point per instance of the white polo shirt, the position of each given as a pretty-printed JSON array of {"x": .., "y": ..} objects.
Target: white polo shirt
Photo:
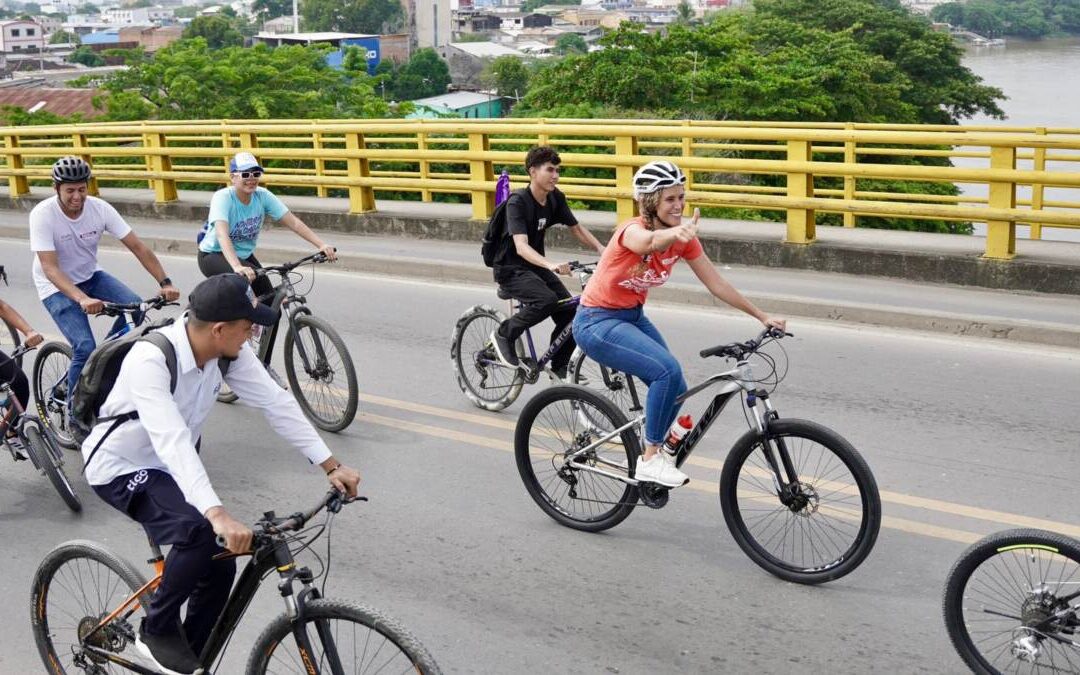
[
  {"x": 164, "y": 436},
  {"x": 75, "y": 241}
]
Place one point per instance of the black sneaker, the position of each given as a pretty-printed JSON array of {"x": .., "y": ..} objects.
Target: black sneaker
[
  {"x": 504, "y": 349},
  {"x": 171, "y": 654}
]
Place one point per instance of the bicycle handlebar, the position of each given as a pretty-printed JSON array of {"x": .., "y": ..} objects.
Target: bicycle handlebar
[
  {"x": 270, "y": 525},
  {"x": 285, "y": 268},
  {"x": 739, "y": 350},
  {"x": 119, "y": 308}
]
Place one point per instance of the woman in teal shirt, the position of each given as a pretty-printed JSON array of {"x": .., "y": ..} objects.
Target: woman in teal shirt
[{"x": 229, "y": 237}]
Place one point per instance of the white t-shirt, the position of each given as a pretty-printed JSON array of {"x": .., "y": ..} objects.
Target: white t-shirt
[{"x": 75, "y": 241}]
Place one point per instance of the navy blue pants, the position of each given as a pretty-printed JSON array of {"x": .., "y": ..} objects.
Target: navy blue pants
[{"x": 154, "y": 499}]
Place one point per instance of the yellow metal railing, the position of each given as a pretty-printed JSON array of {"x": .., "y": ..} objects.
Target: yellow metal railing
[{"x": 1021, "y": 170}]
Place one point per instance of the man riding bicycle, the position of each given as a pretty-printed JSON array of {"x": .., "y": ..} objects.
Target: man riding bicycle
[
  {"x": 64, "y": 233},
  {"x": 520, "y": 267},
  {"x": 149, "y": 467},
  {"x": 11, "y": 373},
  {"x": 231, "y": 232}
]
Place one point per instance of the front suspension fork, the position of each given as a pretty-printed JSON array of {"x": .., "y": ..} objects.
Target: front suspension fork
[{"x": 785, "y": 477}]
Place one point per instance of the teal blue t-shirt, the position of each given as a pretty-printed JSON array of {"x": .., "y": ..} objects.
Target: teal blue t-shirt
[{"x": 245, "y": 220}]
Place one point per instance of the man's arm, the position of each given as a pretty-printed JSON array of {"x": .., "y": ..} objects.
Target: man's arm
[
  {"x": 151, "y": 264},
  {"x": 518, "y": 228},
  {"x": 50, "y": 264},
  {"x": 12, "y": 316},
  {"x": 587, "y": 239}
]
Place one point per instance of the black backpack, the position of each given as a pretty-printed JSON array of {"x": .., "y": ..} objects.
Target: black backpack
[{"x": 491, "y": 244}]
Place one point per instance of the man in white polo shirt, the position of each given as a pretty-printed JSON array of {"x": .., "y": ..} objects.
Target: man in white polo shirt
[
  {"x": 64, "y": 235},
  {"x": 149, "y": 468}
]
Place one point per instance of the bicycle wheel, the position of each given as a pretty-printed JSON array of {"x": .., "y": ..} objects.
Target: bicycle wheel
[
  {"x": 10, "y": 340},
  {"x": 363, "y": 640},
  {"x": 329, "y": 396},
  {"x": 614, "y": 385},
  {"x": 50, "y": 391},
  {"x": 78, "y": 584},
  {"x": 481, "y": 376},
  {"x": 49, "y": 460},
  {"x": 1012, "y": 603},
  {"x": 561, "y": 420},
  {"x": 828, "y": 526}
]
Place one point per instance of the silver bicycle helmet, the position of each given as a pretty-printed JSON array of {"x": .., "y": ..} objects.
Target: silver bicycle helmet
[
  {"x": 657, "y": 176},
  {"x": 70, "y": 170}
]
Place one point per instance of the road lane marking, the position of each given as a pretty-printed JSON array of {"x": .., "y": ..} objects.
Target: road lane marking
[
  {"x": 887, "y": 496},
  {"x": 891, "y": 522}
]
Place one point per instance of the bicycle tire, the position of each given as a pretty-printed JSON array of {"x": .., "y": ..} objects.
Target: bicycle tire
[
  {"x": 586, "y": 372},
  {"x": 92, "y": 563},
  {"x": 544, "y": 414},
  {"x": 51, "y": 411},
  {"x": 412, "y": 653},
  {"x": 51, "y": 464},
  {"x": 469, "y": 340},
  {"x": 338, "y": 414},
  {"x": 10, "y": 341},
  {"x": 736, "y": 476},
  {"x": 1008, "y": 560}
]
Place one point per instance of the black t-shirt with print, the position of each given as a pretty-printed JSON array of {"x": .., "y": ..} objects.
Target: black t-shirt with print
[{"x": 524, "y": 215}]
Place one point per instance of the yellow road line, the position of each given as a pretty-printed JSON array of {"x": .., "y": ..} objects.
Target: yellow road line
[
  {"x": 887, "y": 496},
  {"x": 904, "y": 525}
]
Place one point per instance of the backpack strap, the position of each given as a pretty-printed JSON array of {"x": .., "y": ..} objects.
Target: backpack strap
[{"x": 169, "y": 351}]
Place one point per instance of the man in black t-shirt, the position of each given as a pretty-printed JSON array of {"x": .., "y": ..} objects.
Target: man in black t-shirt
[{"x": 520, "y": 266}]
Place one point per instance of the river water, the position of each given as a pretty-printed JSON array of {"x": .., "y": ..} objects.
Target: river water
[{"x": 1040, "y": 78}]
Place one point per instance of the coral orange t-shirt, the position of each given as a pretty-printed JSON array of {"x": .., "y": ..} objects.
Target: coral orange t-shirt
[{"x": 623, "y": 278}]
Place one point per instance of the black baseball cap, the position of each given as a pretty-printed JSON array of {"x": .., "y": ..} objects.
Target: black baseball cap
[{"x": 228, "y": 297}]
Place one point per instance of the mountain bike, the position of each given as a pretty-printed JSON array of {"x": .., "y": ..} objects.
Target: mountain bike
[
  {"x": 493, "y": 385},
  {"x": 87, "y": 602},
  {"x": 1012, "y": 603},
  {"x": 41, "y": 450},
  {"x": 49, "y": 380},
  {"x": 799, "y": 500},
  {"x": 329, "y": 394}
]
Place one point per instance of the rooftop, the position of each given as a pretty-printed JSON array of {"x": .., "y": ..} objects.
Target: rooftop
[
  {"x": 456, "y": 100},
  {"x": 485, "y": 49}
]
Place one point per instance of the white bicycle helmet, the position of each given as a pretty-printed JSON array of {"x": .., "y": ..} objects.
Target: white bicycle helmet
[{"x": 657, "y": 176}]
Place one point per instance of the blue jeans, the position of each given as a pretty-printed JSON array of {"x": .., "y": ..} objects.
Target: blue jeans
[
  {"x": 74, "y": 323},
  {"x": 623, "y": 339}
]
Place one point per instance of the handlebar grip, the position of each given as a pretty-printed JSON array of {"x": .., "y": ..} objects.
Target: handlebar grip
[{"x": 711, "y": 351}]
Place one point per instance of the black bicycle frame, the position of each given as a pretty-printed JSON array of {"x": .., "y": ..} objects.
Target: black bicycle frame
[
  {"x": 561, "y": 338},
  {"x": 294, "y": 303}
]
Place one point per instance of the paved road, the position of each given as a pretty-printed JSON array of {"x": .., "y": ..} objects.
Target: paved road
[{"x": 966, "y": 437}]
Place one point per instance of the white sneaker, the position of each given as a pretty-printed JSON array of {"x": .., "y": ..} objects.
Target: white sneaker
[{"x": 658, "y": 470}]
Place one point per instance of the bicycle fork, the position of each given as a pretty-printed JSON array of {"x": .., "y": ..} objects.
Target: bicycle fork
[
  {"x": 785, "y": 478},
  {"x": 295, "y": 605}
]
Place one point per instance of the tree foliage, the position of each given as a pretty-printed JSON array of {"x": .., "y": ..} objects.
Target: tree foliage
[
  {"x": 570, "y": 43},
  {"x": 508, "y": 75},
  {"x": 87, "y": 57},
  {"x": 63, "y": 37},
  {"x": 353, "y": 16},
  {"x": 271, "y": 9},
  {"x": 1020, "y": 18},
  {"x": 218, "y": 32},
  {"x": 805, "y": 60},
  {"x": 424, "y": 74},
  {"x": 188, "y": 80}
]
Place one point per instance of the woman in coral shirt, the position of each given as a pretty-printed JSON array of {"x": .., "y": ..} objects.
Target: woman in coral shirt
[{"x": 611, "y": 325}]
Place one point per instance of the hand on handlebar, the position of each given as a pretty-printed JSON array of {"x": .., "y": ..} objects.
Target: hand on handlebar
[
  {"x": 247, "y": 272},
  {"x": 33, "y": 339},
  {"x": 778, "y": 324},
  {"x": 329, "y": 251},
  {"x": 91, "y": 305},
  {"x": 232, "y": 534},
  {"x": 561, "y": 268},
  {"x": 170, "y": 293},
  {"x": 345, "y": 480}
]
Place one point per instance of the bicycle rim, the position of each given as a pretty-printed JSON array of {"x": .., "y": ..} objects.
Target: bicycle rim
[
  {"x": 616, "y": 387},
  {"x": 558, "y": 422},
  {"x": 823, "y": 535},
  {"x": 52, "y": 464},
  {"x": 325, "y": 385},
  {"x": 1007, "y": 605},
  {"x": 50, "y": 374},
  {"x": 487, "y": 383}
]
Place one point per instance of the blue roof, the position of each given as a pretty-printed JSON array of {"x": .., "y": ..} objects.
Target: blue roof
[{"x": 102, "y": 37}]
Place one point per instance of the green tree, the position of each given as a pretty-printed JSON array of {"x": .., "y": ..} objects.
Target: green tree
[
  {"x": 425, "y": 74},
  {"x": 686, "y": 14},
  {"x": 353, "y": 16},
  {"x": 188, "y": 80},
  {"x": 216, "y": 30},
  {"x": 531, "y": 5},
  {"x": 271, "y": 9},
  {"x": 570, "y": 43},
  {"x": 950, "y": 12},
  {"x": 86, "y": 56},
  {"x": 63, "y": 37},
  {"x": 508, "y": 75}
]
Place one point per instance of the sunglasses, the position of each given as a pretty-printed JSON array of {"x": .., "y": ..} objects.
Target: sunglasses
[{"x": 251, "y": 174}]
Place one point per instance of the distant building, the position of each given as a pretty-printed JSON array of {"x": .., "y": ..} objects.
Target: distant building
[
  {"x": 57, "y": 101},
  {"x": 518, "y": 21},
  {"x": 468, "y": 59},
  {"x": 282, "y": 24},
  {"x": 459, "y": 103},
  {"x": 18, "y": 35},
  {"x": 369, "y": 43},
  {"x": 150, "y": 38},
  {"x": 138, "y": 15},
  {"x": 430, "y": 22}
]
